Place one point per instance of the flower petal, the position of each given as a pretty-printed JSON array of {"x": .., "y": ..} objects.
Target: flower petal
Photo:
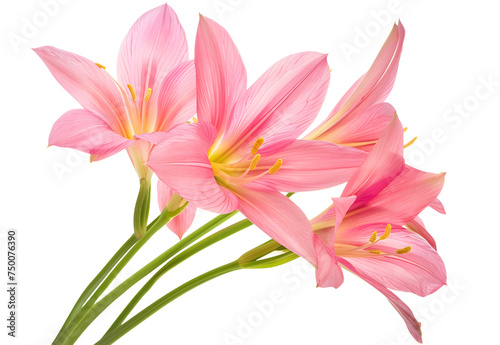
[
  {"x": 329, "y": 273},
  {"x": 176, "y": 98},
  {"x": 220, "y": 74},
  {"x": 402, "y": 200},
  {"x": 372, "y": 88},
  {"x": 155, "y": 44},
  {"x": 421, "y": 271},
  {"x": 181, "y": 223},
  {"x": 281, "y": 104},
  {"x": 280, "y": 218},
  {"x": 438, "y": 206},
  {"x": 382, "y": 165},
  {"x": 180, "y": 161},
  {"x": 417, "y": 225},
  {"x": 307, "y": 165},
  {"x": 79, "y": 129},
  {"x": 403, "y": 310},
  {"x": 90, "y": 85}
]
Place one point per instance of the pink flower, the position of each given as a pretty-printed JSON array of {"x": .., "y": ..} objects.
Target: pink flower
[
  {"x": 361, "y": 116},
  {"x": 154, "y": 92},
  {"x": 244, "y": 150},
  {"x": 363, "y": 230}
]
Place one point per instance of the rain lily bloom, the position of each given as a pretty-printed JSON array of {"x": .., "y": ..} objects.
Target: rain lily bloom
[
  {"x": 154, "y": 92},
  {"x": 363, "y": 230},
  {"x": 361, "y": 115},
  {"x": 243, "y": 151}
]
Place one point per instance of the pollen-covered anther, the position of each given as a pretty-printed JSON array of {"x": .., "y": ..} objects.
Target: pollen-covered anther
[
  {"x": 408, "y": 144},
  {"x": 378, "y": 252},
  {"x": 195, "y": 120},
  {"x": 373, "y": 237},
  {"x": 404, "y": 250},
  {"x": 254, "y": 162},
  {"x": 405, "y": 129},
  {"x": 258, "y": 143},
  {"x": 132, "y": 91},
  {"x": 276, "y": 166},
  {"x": 147, "y": 95},
  {"x": 387, "y": 232},
  {"x": 100, "y": 66}
]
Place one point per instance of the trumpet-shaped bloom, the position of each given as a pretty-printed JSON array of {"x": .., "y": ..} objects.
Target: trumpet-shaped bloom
[
  {"x": 244, "y": 151},
  {"x": 154, "y": 92},
  {"x": 363, "y": 230},
  {"x": 361, "y": 115}
]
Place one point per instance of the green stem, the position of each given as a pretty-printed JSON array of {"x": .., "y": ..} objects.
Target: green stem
[
  {"x": 98, "y": 279},
  {"x": 113, "y": 335},
  {"x": 120, "y": 331},
  {"x": 91, "y": 312},
  {"x": 141, "y": 211},
  {"x": 195, "y": 248}
]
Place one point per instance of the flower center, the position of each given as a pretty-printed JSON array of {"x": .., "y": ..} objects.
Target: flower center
[
  {"x": 243, "y": 172},
  {"x": 365, "y": 250}
]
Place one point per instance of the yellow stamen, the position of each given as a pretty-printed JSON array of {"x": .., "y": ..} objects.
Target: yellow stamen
[
  {"x": 404, "y": 250},
  {"x": 258, "y": 143},
  {"x": 405, "y": 129},
  {"x": 148, "y": 94},
  {"x": 408, "y": 144},
  {"x": 276, "y": 166},
  {"x": 378, "y": 252},
  {"x": 387, "y": 232},
  {"x": 132, "y": 92},
  {"x": 100, "y": 66},
  {"x": 255, "y": 161},
  {"x": 373, "y": 237},
  {"x": 195, "y": 120}
]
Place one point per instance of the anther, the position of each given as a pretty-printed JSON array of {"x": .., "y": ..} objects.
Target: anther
[
  {"x": 195, "y": 120},
  {"x": 255, "y": 161},
  {"x": 132, "y": 92},
  {"x": 404, "y": 250},
  {"x": 387, "y": 232},
  {"x": 276, "y": 166},
  {"x": 100, "y": 66},
  {"x": 373, "y": 237},
  {"x": 258, "y": 143},
  {"x": 148, "y": 94},
  {"x": 378, "y": 252},
  {"x": 408, "y": 144}
]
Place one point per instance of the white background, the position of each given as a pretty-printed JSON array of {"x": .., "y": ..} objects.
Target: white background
[{"x": 70, "y": 225}]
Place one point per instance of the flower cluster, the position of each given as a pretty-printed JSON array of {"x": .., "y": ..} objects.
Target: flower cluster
[{"x": 216, "y": 144}]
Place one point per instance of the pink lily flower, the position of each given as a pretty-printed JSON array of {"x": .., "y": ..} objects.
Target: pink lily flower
[
  {"x": 361, "y": 115},
  {"x": 154, "y": 92},
  {"x": 363, "y": 230},
  {"x": 244, "y": 151}
]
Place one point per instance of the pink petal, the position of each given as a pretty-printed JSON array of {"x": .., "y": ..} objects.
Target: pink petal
[
  {"x": 90, "y": 85},
  {"x": 438, "y": 206},
  {"x": 180, "y": 160},
  {"x": 281, "y": 104},
  {"x": 421, "y": 271},
  {"x": 176, "y": 98},
  {"x": 326, "y": 224},
  {"x": 329, "y": 273},
  {"x": 155, "y": 44},
  {"x": 403, "y": 310},
  {"x": 372, "y": 88},
  {"x": 220, "y": 74},
  {"x": 79, "y": 129},
  {"x": 181, "y": 223},
  {"x": 402, "y": 200},
  {"x": 307, "y": 165},
  {"x": 361, "y": 131},
  {"x": 280, "y": 218},
  {"x": 417, "y": 225},
  {"x": 382, "y": 165}
]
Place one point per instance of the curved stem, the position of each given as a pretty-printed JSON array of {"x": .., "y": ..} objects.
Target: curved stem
[
  {"x": 92, "y": 311},
  {"x": 195, "y": 248},
  {"x": 120, "y": 331},
  {"x": 98, "y": 279},
  {"x": 116, "y": 333}
]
